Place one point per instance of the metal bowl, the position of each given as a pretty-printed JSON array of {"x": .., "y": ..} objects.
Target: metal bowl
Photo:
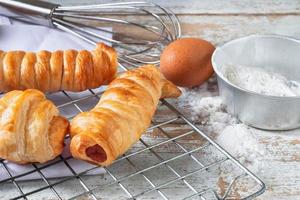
[{"x": 279, "y": 54}]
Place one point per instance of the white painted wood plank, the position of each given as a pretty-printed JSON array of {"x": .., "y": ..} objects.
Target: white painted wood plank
[
  {"x": 219, "y": 29},
  {"x": 212, "y": 6},
  {"x": 281, "y": 173}
]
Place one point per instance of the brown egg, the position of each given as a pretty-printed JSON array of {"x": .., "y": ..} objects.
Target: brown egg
[{"x": 187, "y": 62}]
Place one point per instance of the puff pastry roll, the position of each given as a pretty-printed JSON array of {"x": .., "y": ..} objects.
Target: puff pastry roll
[
  {"x": 30, "y": 128},
  {"x": 123, "y": 113},
  {"x": 60, "y": 70}
]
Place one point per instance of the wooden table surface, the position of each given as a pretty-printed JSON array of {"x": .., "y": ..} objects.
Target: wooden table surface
[{"x": 220, "y": 21}]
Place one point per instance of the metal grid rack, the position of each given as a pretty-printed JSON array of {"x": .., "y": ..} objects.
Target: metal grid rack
[{"x": 191, "y": 179}]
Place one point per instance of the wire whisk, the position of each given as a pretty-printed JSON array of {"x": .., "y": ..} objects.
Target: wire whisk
[{"x": 139, "y": 30}]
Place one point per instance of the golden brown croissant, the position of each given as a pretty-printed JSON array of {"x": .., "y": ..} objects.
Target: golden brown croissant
[
  {"x": 30, "y": 128},
  {"x": 60, "y": 70},
  {"x": 123, "y": 113}
]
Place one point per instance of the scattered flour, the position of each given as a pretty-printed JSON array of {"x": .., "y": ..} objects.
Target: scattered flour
[
  {"x": 261, "y": 81},
  {"x": 243, "y": 142},
  {"x": 204, "y": 107},
  {"x": 238, "y": 139},
  {"x": 210, "y": 112}
]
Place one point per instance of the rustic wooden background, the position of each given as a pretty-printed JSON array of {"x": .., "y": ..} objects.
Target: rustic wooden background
[{"x": 220, "y": 21}]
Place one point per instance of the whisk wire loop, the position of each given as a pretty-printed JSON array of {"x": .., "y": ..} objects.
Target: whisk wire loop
[{"x": 138, "y": 30}]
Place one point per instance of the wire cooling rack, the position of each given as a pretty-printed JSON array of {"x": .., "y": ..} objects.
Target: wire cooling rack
[{"x": 162, "y": 165}]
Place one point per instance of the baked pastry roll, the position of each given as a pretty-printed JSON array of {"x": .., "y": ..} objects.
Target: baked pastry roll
[
  {"x": 123, "y": 113},
  {"x": 31, "y": 129},
  {"x": 60, "y": 70}
]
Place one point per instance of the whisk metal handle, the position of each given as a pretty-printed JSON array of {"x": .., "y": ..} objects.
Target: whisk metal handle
[{"x": 31, "y": 11}]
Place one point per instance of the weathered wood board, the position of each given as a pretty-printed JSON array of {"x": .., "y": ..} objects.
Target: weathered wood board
[{"x": 217, "y": 21}]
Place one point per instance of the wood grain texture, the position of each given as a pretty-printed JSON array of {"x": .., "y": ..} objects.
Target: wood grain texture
[
  {"x": 219, "y": 29},
  {"x": 212, "y": 7},
  {"x": 217, "y": 21}
]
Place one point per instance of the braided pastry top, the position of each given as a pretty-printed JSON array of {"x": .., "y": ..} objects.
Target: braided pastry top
[{"x": 69, "y": 70}]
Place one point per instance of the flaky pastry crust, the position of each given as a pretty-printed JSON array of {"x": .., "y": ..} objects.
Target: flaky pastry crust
[
  {"x": 46, "y": 71},
  {"x": 31, "y": 129},
  {"x": 123, "y": 113}
]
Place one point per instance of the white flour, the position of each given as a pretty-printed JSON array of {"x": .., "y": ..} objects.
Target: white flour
[
  {"x": 261, "y": 81},
  {"x": 243, "y": 142},
  {"x": 211, "y": 113},
  {"x": 202, "y": 108},
  {"x": 273, "y": 156}
]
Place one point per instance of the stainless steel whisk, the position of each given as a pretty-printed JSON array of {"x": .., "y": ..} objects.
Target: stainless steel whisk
[{"x": 138, "y": 40}]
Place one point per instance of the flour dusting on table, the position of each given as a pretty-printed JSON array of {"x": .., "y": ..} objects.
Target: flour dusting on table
[
  {"x": 261, "y": 81},
  {"x": 242, "y": 141},
  {"x": 207, "y": 110}
]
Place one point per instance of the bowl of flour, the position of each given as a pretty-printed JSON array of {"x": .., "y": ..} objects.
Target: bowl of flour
[{"x": 259, "y": 79}]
